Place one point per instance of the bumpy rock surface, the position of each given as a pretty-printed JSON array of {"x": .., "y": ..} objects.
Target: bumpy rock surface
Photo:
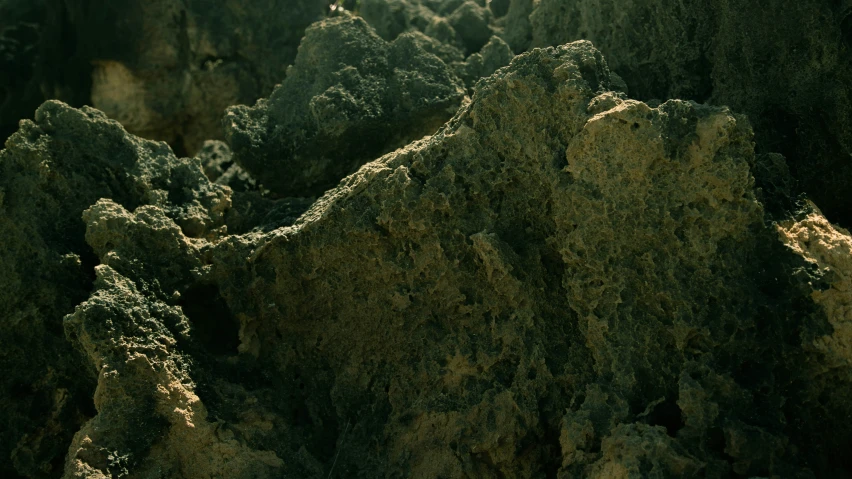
[
  {"x": 51, "y": 170},
  {"x": 785, "y": 64},
  {"x": 466, "y": 25},
  {"x": 560, "y": 282},
  {"x": 175, "y": 66},
  {"x": 349, "y": 97}
]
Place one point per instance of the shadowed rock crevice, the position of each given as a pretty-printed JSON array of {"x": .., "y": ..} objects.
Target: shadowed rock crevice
[{"x": 214, "y": 327}]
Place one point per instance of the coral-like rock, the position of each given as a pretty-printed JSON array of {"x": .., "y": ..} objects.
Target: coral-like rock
[
  {"x": 828, "y": 250},
  {"x": 554, "y": 247},
  {"x": 466, "y": 25},
  {"x": 51, "y": 170},
  {"x": 560, "y": 282},
  {"x": 784, "y": 64},
  {"x": 218, "y": 163},
  {"x": 349, "y": 97},
  {"x": 495, "y": 54}
]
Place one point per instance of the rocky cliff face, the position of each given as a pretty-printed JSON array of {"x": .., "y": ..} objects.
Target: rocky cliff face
[{"x": 411, "y": 262}]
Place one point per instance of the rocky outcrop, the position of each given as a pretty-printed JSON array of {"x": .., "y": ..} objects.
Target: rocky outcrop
[
  {"x": 165, "y": 69},
  {"x": 412, "y": 260},
  {"x": 53, "y": 169},
  {"x": 560, "y": 281},
  {"x": 784, "y": 64},
  {"x": 349, "y": 97},
  {"x": 172, "y": 67}
]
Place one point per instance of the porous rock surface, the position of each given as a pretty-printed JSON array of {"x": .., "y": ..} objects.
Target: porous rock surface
[
  {"x": 51, "y": 170},
  {"x": 560, "y": 282},
  {"x": 166, "y": 69},
  {"x": 349, "y": 97},
  {"x": 785, "y": 64}
]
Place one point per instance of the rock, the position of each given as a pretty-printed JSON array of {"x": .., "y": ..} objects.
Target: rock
[
  {"x": 218, "y": 163},
  {"x": 51, "y": 170},
  {"x": 349, "y": 97},
  {"x": 466, "y": 25},
  {"x": 21, "y": 25},
  {"x": 476, "y": 285},
  {"x": 555, "y": 247},
  {"x": 495, "y": 54},
  {"x": 559, "y": 282},
  {"x": 783, "y": 64}
]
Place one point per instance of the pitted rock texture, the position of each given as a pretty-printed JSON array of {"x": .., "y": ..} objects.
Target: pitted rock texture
[
  {"x": 560, "y": 282},
  {"x": 349, "y": 97},
  {"x": 218, "y": 163},
  {"x": 175, "y": 66},
  {"x": 555, "y": 247},
  {"x": 53, "y": 169},
  {"x": 465, "y": 25},
  {"x": 785, "y": 64}
]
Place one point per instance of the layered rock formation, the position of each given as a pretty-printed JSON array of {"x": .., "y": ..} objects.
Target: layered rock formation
[{"x": 560, "y": 282}]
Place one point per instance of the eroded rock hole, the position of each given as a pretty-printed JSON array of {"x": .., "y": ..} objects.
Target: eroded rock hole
[
  {"x": 212, "y": 323},
  {"x": 668, "y": 415},
  {"x": 499, "y": 7}
]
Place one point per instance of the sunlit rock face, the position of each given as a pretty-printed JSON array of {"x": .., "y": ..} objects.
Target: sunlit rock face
[{"x": 421, "y": 256}]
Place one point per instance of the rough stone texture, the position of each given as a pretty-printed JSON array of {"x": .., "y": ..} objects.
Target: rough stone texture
[
  {"x": 494, "y": 55},
  {"x": 218, "y": 163},
  {"x": 51, "y": 170},
  {"x": 554, "y": 248},
  {"x": 349, "y": 97},
  {"x": 466, "y": 25},
  {"x": 828, "y": 250},
  {"x": 560, "y": 282},
  {"x": 785, "y": 64},
  {"x": 175, "y": 66}
]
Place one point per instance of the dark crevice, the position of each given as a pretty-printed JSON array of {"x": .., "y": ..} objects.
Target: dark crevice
[
  {"x": 213, "y": 325},
  {"x": 668, "y": 415},
  {"x": 499, "y": 7},
  {"x": 846, "y": 27}
]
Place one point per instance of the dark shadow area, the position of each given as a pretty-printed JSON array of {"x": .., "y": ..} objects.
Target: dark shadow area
[{"x": 213, "y": 325}]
